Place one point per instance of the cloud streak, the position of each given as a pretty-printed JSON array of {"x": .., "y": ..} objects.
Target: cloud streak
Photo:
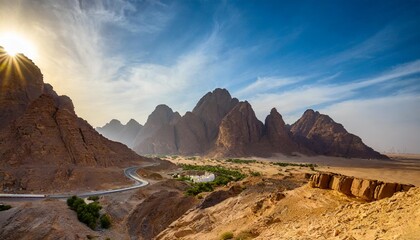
[{"x": 296, "y": 100}]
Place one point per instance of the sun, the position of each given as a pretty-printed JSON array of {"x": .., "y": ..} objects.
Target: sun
[{"x": 14, "y": 43}]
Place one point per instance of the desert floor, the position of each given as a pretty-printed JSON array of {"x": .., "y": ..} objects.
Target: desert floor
[{"x": 401, "y": 168}]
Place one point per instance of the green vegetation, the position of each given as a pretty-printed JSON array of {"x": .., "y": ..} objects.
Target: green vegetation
[
  {"x": 93, "y": 198},
  {"x": 174, "y": 157},
  {"x": 183, "y": 178},
  {"x": 223, "y": 177},
  {"x": 282, "y": 164},
  {"x": 5, "y": 207},
  {"x": 105, "y": 221},
  {"x": 255, "y": 174},
  {"x": 87, "y": 213},
  {"x": 197, "y": 188},
  {"x": 226, "y": 236},
  {"x": 240, "y": 161}
]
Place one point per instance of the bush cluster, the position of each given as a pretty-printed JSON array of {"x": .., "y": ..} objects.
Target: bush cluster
[
  {"x": 223, "y": 177},
  {"x": 282, "y": 164},
  {"x": 240, "y": 161},
  {"x": 88, "y": 213},
  {"x": 5, "y": 207}
]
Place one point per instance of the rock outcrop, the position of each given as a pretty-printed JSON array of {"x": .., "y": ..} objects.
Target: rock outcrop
[
  {"x": 193, "y": 133},
  {"x": 21, "y": 82},
  {"x": 40, "y": 131},
  {"x": 320, "y": 134},
  {"x": 239, "y": 131},
  {"x": 161, "y": 117},
  {"x": 365, "y": 189},
  {"x": 119, "y": 132},
  {"x": 278, "y": 135}
]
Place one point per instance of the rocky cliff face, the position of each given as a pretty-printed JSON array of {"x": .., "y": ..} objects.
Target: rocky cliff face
[
  {"x": 194, "y": 133},
  {"x": 161, "y": 117},
  {"x": 365, "y": 189},
  {"x": 21, "y": 82},
  {"x": 319, "y": 133},
  {"x": 239, "y": 132},
  {"x": 41, "y": 129},
  {"x": 220, "y": 125},
  {"x": 278, "y": 135},
  {"x": 116, "y": 131}
]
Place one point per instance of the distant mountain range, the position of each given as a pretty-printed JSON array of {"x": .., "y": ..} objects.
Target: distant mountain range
[{"x": 222, "y": 126}]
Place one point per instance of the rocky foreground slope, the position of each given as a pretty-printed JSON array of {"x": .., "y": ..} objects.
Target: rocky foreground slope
[
  {"x": 271, "y": 212},
  {"x": 41, "y": 135}
]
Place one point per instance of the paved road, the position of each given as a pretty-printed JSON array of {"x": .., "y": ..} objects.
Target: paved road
[{"x": 129, "y": 172}]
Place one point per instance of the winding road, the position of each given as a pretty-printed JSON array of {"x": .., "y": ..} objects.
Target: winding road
[{"x": 130, "y": 172}]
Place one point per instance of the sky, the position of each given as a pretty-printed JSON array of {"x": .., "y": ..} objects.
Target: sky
[{"x": 357, "y": 61}]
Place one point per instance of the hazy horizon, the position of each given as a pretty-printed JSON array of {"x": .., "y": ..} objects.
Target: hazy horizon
[{"x": 358, "y": 62}]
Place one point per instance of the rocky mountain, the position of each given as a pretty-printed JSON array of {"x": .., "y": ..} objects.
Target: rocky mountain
[
  {"x": 193, "y": 133},
  {"x": 41, "y": 131},
  {"x": 21, "y": 83},
  {"x": 239, "y": 132},
  {"x": 220, "y": 125},
  {"x": 319, "y": 133},
  {"x": 116, "y": 131}
]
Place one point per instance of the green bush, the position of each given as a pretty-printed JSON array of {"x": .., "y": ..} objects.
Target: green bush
[
  {"x": 282, "y": 164},
  {"x": 226, "y": 236},
  {"x": 240, "y": 161},
  {"x": 5, "y": 207},
  {"x": 197, "y": 188},
  {"x": 93, "y": 198},
  {"x": 255, "y": 174},
  {"x": 105, "y": 221},
  {"x": 86, "y": 213}
]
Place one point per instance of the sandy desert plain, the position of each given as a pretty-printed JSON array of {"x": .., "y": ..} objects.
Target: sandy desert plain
[{"x": 276, "y": 203}]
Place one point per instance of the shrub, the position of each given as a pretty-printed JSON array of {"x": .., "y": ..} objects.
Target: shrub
[
  {"x": 86, "y": 213},
  {"x": 255, "y": 174},
  {"x": 93, "y": 198},
  {"x": 240, "y": 161},
  {"x": 5, "y": 207},
  {"x": 282, "y": 164},
  {"x": 226, "y": 235},
  {"x": 105, "y": 221}
]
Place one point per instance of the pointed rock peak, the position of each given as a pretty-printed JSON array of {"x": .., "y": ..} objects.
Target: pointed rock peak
[
  {"x": 133, "y": 122},
  {"x": 273, "y": 111},
  {"x": 276, "y": 116},
  {"x": 163, "y": 107},
  {"x": 162, "y": 115},
  {"x": 219, "y": 97}
]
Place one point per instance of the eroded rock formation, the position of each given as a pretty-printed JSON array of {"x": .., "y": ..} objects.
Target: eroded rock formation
[
  {"x": 319, "y": 133},
  {"x": 365, "y": 189}
]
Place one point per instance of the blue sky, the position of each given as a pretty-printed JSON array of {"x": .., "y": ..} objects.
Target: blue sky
[{"x": 358, "y": 61}]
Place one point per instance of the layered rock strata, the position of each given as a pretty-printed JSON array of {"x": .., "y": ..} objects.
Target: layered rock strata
[{"x": 365, "y": 189}]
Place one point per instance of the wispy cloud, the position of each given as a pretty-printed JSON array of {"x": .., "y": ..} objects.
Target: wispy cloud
[
  {"x": 296, "y": 100},
  {"x": 380, "y": 41},
  {"x": 263, "y": 84}
]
